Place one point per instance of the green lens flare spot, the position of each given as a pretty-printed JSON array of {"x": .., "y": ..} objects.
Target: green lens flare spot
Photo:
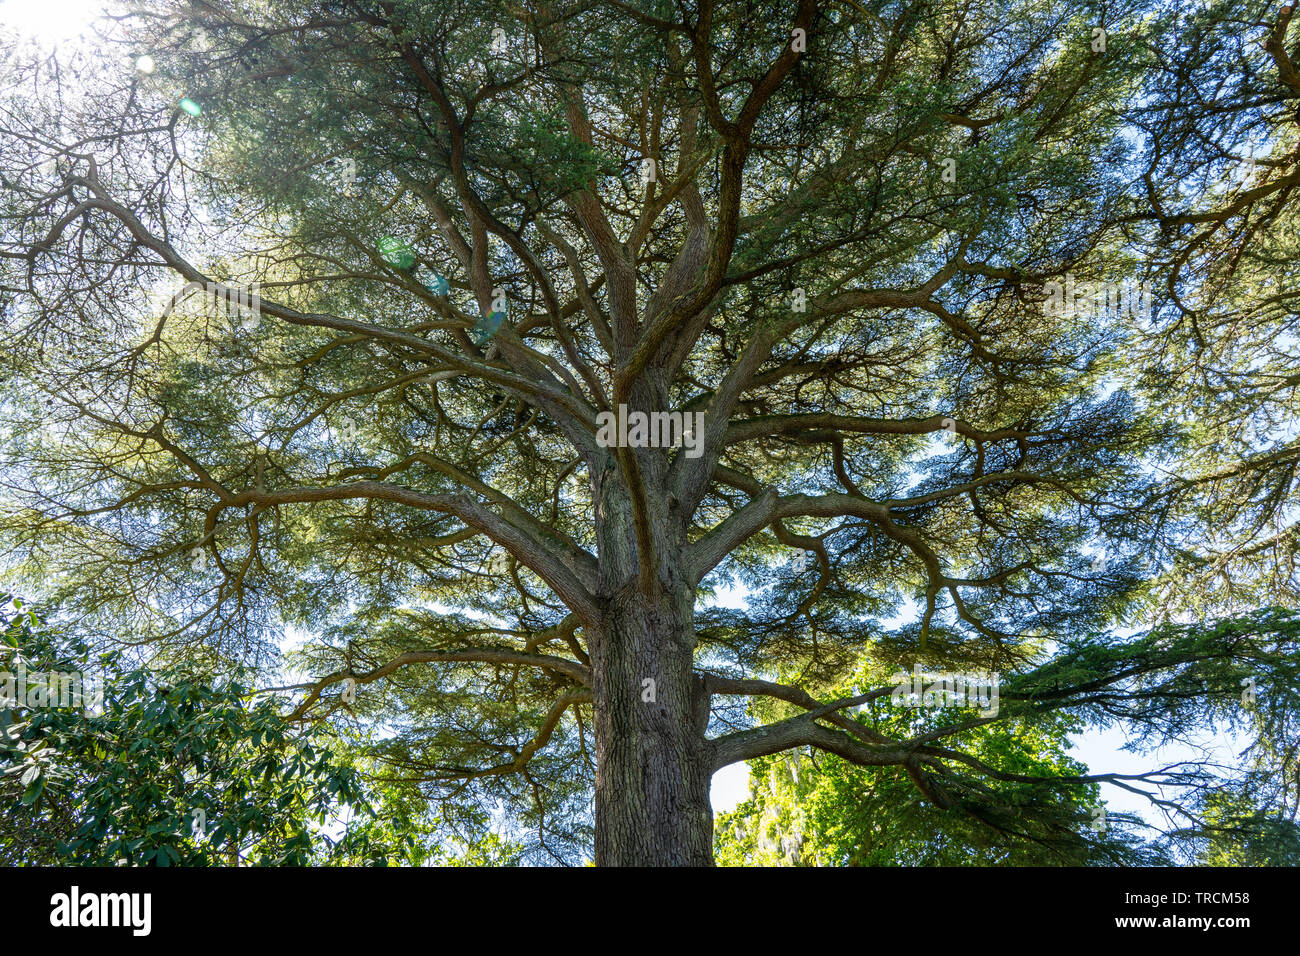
[
  {"x": 396, "y": 253},
  {"x": 189, "y": 106},
  {"x": 486, "y": 327}
]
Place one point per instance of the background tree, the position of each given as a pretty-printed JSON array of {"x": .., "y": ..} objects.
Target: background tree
[
  {"x": 829, "y": 227},
  {"x": 167, "y": 770},
  {"x": 815, "y": 809},
  {"x": 1236, "y": 833},
  {"x": 822, "y": 810}
]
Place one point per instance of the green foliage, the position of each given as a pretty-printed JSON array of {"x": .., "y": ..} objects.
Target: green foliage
[
  {"x": 815, "y": 809},
  {"x": 1030, "y": 803},
  {"x": 1235, "y": 832},
  {"x": 124, "y": 786}
]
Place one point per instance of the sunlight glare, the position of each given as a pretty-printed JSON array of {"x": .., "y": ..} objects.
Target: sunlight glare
[{"x": 47, "y": 22}]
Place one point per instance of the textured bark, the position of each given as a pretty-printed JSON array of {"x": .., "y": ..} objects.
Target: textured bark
[{"x": 653, "y": 762}]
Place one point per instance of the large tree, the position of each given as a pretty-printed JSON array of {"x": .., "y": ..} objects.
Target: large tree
[{"x": 828, "y": 229}]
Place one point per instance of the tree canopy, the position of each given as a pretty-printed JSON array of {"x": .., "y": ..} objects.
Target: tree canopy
[{"x": 979, "y": 315}]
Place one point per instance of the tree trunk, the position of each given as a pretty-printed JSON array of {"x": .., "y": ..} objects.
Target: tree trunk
[{"x": 652, "y": 762}]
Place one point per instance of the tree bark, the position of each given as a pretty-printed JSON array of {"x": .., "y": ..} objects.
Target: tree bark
[{"x": 653, "y": 763}]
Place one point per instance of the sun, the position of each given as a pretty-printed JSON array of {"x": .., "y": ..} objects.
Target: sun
[{"x": 48, "y": 23}]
